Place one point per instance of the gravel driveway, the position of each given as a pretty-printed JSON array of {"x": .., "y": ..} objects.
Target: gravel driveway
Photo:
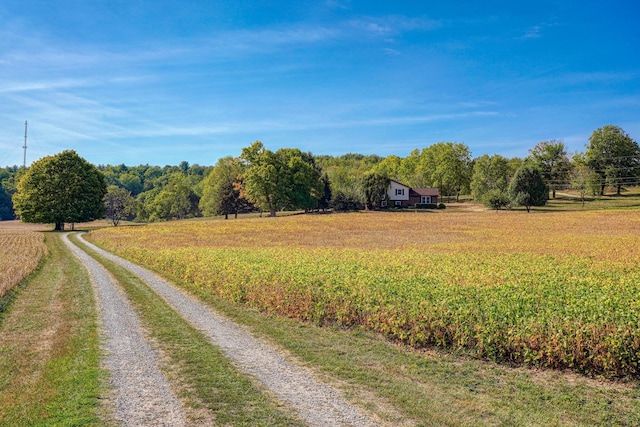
[
  {"x": 316, "y": 403},
  {"x": 142, "y": 396}
]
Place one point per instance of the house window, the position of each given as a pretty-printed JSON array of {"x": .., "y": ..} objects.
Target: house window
[
  {"x": 398, "y": 203},
  {"x": 425, "y": 199},
  {"x": 383, "y": 203},
  {"x": 399, "y": 191}
]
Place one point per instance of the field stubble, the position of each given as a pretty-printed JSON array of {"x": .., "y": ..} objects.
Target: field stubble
[
  {"x": 20, "y": 253},
  {"x": 557, "y": 290}
]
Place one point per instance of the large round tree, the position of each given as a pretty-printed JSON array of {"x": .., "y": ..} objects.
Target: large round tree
[
  {"x": 58, "y": 189},
  {"x": 614, "y": 156}
]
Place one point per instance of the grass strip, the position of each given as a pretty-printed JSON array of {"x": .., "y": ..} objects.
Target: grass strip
[
  {"x": 49, "y": 347},
  {"x": 214, "y": 390}
]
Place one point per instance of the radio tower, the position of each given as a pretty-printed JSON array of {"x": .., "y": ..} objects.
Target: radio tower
[{"x": 24, "y": 162}]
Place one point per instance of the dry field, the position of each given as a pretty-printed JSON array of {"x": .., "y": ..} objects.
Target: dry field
[
  {"x": 20, "y": 251},
  {"x": 558, "y": 290}
]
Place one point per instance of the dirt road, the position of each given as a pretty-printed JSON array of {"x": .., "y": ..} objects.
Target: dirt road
[{"x": 314, "y": 402}]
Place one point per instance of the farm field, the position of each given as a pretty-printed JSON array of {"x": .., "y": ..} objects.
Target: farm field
[
  {"x": 557, "y": 290},
  {"x": 21, "y": 249}
]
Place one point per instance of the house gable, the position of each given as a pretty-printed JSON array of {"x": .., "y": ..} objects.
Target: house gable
[{"x": 398, "y": 191}]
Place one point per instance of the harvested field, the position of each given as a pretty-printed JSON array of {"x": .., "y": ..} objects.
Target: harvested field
[{"x": 20, "y": 253}]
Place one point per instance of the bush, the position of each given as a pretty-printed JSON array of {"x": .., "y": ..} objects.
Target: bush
[
  {"x": 441, "y": 206},
  {"x": 426, "y": 206},
  {"x": 346, "y": 202},
  {"x": 496, "y": 199}
]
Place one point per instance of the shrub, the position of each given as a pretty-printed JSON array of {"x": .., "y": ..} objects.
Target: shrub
[
  {"x": 426, "y": 206},
  {"x": 342, "y": 201}
]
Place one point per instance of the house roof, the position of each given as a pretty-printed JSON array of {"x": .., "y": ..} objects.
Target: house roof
[{"x": 426, "y": 191}]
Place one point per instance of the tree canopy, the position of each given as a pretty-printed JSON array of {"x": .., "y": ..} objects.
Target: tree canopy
[
  {"x": 491, "y": 175},
  {"x": 614, "y": 156},
  {"x": 58, "y": 189},
  {"x": 550, "y": 157},
  {"x": 287, "y": 178},
  {"x": 527, "y": 188},
  {"x": 374, "y": 187},
  {"x": 222, "y": 189},
  {"x": 119, "y": 204}
]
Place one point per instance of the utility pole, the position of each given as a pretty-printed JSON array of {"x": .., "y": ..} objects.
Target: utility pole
[{"x": 24, "y": 162}]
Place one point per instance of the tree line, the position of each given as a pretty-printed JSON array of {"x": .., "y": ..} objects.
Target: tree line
[{"x": 270, "y": 181}]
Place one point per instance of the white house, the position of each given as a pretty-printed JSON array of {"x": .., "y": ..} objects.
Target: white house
[{"x": 402, "y": 195}]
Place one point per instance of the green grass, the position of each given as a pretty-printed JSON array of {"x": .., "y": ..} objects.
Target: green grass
[
  {"x": 204, "y": 378},
  {"x": 432, "y": 388},
  {"x": 49, "y": 348}
]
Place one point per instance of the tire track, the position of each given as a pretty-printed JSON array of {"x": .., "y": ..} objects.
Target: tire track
[
  {"x": 316, "y": 403},
  {"x": 142, "y": 396}
]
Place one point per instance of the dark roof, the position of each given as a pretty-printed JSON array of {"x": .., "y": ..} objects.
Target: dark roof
[{"x": 425, "y": 191}]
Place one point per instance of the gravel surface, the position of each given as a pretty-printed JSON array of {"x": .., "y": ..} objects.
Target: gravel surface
[
  {"x": 316, "y": 403},
  {"x": 142, "y": 396}
]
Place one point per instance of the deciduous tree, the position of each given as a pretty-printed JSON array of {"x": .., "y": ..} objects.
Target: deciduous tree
[
  {"x": 119, "y": 204},
  {"x": 527, "y": 188},
  {"x": 550, "y": 157},
  {"x": 287, "y": 178},
  {"x": 61, "y": 188},
  {"x": 614, "y": 156},
  {"x": 374, "y": 188},
  {"x": 221, "y": 193},
  {"x": 490, "y": 174}
]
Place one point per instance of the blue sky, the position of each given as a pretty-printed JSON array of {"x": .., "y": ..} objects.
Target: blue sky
[{"x": 159, "y": 82}]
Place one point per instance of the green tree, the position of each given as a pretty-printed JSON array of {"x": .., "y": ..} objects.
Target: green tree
[
  {"x": 287, "y": 178},
  {"x": 342, "y": 201},
  {"x": 374, "y": 187},
  {"x": 325, "y": 200},
  {"x": 175, "y": 201},
  {"x": 302, "y": 178},
  {"x": 497, "y": 199},
  {"x": 132, "y": 182},
  {"x": 451, "y": 172},
  {"x": 226, "y": 171},
  {"x": 264, "y": 180},
  {"x": 490, "y": 174},
  {"x": 119, "y": 204},
  {"x": 527, "y": 188},
  {"x": 6, "y": 206},
  {"x": 221, "y": 193},
  {"x": 614, "y": 156},
  {"x": 389, "y": 166},
  {"x": 551, "y": 158},
  {"x": 58, "y": 189}
]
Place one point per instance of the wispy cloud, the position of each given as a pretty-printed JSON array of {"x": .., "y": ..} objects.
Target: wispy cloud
[
  {"x": 537, "y": 31},
  {"x": 394, "y": 24},
  {"x": 8, "y": 86}
]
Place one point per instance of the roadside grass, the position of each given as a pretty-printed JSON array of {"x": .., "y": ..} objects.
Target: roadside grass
[
  {"x": 49, "y": 348},
  {"x": 214, "y": 390}
]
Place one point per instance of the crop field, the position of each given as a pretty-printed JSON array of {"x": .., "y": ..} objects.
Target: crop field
[
  {"x": 20, "y": 252},
  {"x": 550, "y": 289}
]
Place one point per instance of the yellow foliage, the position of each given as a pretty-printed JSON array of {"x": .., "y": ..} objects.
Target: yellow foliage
[{"x": 548, "y": 289}]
